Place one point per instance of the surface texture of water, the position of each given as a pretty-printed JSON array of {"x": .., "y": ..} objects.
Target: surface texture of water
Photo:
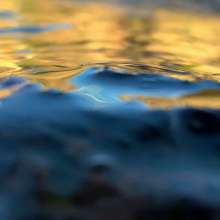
[{"x": 108, "y": 106}]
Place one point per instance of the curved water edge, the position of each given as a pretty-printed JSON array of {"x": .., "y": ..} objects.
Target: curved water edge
[{"x": 122, "y": 82}]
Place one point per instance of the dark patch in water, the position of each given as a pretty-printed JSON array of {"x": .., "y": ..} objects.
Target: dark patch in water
[
  {"x": 203, "y": 122},
  {"x": 12, "y": 81}
]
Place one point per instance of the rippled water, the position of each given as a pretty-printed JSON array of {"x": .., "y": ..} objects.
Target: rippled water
[
  {"x": 108, "y": 106},
  {"x": 53, "y": 42}
]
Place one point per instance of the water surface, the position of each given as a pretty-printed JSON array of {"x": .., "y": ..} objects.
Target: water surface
[
  {"x": 52, "y": 42},
  {"x": 108, "y": 106}
]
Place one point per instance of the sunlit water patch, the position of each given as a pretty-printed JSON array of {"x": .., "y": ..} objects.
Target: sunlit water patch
[{"x": 52, "y": 50}]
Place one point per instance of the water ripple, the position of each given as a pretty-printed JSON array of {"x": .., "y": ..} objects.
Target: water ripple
[
  {"x": 33, "y": 29},
  {"x": 7, "y": 14}
]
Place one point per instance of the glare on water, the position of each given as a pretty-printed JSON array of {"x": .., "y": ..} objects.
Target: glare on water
[{"x": 50, "y": 42}]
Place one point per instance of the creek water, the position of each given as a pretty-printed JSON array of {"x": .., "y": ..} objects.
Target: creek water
[{"x": 107, "y": 106}]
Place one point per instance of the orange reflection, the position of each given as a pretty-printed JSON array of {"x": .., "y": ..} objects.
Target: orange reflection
[
  {"x": 177, "y": 42},
  {"x": 204, "y": 99}
]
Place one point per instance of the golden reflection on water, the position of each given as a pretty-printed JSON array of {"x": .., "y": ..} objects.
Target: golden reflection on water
[
  {"x": 204, "y": 99},
  {"x": 183, "y": 44}
]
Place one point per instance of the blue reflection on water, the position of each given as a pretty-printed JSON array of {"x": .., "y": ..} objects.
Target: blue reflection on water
[
  {"x": 33, "y": 29},
  {"x": 6, "y": 14},
  {"x": 107, "y": 85}
]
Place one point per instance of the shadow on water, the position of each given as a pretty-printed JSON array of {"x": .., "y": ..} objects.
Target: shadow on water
[{"x": 109, "y": 111}]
